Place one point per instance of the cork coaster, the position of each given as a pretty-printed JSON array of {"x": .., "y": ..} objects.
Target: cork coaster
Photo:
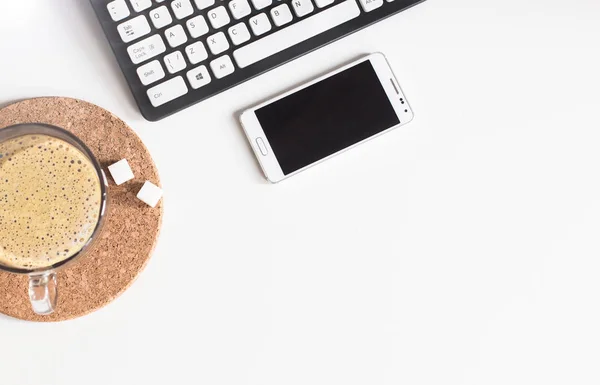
[{"x": 131, "y": 228}]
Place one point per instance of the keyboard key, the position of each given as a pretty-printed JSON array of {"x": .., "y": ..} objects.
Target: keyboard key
[
  {"x": 146, "y": 49},
  {"x": 303, "y": 7},
  {"x": 281, "y": 15},
  {"x": 323, "y": 3},
  {"x": 222, "y": 66},
  {"x": 260, "y": 4},
  {"x": 260, "y": 24},
  {"x": 140, "y": 5},
  {"x": 198, "y": 77},
  {"x": 369, "y": 5},
  {"x": 196, "y": 52},
  {"x": 151, "y": 72},
  {"x": 160, "y": 17},
  {"x": 182, "y": 8},
  {"x": 167, "y": 91},
  {"x": 118, "y": 10},
  {"x": 239, "y": 33},
  {"x": 175, "y": 62},
  {"x": 296, "y": 33},
  {"x": 217, "y": 43},
  {"x": 203, "y": 4},
  {"x": 197, "y": 26},
  {"x": 134, "y": 28},
  {"x": 239, "y": 8},
  {"x": 176, "y": 36},
  {"x": 219, "y": 17}
]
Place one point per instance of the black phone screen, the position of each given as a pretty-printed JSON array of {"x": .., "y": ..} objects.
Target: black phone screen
[{"x": 327, "y": 117}]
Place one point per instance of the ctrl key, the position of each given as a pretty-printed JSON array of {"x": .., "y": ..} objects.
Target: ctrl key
[{"x": 167, "y": 91}]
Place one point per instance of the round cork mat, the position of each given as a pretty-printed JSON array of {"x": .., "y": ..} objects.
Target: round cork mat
[{"x": 131, "y": 227}]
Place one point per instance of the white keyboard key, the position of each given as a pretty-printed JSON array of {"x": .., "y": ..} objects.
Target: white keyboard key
[
  {"x": 239, "y": 8},
  {"x": 203, "y": 4},
  {"x": 219, "y": 17},
  {"x": 196, "y": 52},
  {"x": 217, "y": 43},
  {"x": 260, "y": 4},
  {"x": 118, "y": 10},
  {"x": 323, "y": 3},
  {"x": 222, "y": 66},
  {"x": 239, "y": 33},
  {"x": 197, "y": 26},
  {"x": 182, "y": 8},
  {"x": 198, "y": 77},
  {"x": 134, "y": 28},
  {"x": 303, "y": 7},
  {"x": 175, "y": 62},
  {"x": 296, "y": 33},
  {"x": 369, "y": 5},
  {"x": 167, "y": 91},
  {"x": 146, "y": 49},
  {"x": 281, "y": 15},
  {"x": 151, "y": 72},
  {"x": 160, "y": 17},
  {"x": 260, "y": 24},
  {"x": 140, "y": 5},
  {"x": 176, "y": 36}
]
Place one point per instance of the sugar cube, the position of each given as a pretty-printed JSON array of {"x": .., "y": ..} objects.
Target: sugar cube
[
  {"x": 150, "y": 194},
  {"x": 121, "y": 172}
]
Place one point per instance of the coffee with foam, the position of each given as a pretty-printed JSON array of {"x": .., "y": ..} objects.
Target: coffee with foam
[{"x": 50, "y": 201}]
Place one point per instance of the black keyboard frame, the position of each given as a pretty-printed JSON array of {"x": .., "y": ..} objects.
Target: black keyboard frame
[{"x": 240, "y": 75}]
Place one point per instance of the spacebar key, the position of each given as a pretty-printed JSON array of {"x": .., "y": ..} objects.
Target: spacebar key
[{"x": 296, "y": 33}]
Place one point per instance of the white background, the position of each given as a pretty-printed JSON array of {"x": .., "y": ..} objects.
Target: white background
[{"x": 461, "y": 249}]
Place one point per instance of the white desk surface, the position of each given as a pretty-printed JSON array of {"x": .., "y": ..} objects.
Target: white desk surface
[{"x": 461, "y": 249}]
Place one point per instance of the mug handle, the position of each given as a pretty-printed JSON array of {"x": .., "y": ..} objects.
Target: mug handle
[{"x": 43, "y": 292}]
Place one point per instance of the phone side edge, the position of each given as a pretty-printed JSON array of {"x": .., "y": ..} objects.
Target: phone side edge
[
  {"x": 253, "y": 130},
  {"x": 393, "y": 89}
]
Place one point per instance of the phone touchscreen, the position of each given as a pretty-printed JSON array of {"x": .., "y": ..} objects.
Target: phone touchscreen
[{"x": 327, "y": 117}]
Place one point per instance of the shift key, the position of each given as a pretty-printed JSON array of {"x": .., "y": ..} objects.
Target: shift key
[{"x": 146, "y": 49}]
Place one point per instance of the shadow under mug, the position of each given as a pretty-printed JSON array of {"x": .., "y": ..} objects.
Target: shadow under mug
[{"x": 43, "y": 291}]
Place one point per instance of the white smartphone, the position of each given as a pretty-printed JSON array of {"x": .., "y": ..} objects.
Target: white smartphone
[{"x": 326, "y": 116}]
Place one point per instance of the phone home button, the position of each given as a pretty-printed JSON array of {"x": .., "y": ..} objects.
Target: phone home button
[{"x": 261, "y": 146}]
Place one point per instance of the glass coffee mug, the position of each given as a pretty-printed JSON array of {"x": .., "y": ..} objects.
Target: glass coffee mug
[{"x": 53, "y": 202}]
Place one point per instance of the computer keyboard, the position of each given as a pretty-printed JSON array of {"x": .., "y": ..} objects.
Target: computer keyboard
[{"x": 175, "y": 53}]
